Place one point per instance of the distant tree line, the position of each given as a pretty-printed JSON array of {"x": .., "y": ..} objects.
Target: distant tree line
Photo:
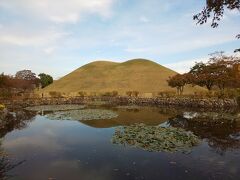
[
  {"x": 24, "y": 80},
  {"x": 220, "y": 71}
]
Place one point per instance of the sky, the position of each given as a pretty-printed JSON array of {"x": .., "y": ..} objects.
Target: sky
[{"x": 58, "y": 36}]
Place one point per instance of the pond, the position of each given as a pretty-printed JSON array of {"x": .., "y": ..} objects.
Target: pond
[{"x": 127, "y": 142}]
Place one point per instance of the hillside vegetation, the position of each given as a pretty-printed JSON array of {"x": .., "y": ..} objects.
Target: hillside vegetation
[{"x": 139, "y": 75}]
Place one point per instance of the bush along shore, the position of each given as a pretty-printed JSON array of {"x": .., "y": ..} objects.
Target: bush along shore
[{"x": 158, "y": 101}]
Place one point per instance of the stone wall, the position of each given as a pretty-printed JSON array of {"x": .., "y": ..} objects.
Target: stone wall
[
  {"x": 159, "y": 101},
  {"x": 184, "y": 102}
]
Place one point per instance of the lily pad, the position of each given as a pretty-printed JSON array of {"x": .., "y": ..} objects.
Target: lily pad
[
  {"x": 97, "y": 103},
  {"x": 155, "y": 138},
  {"x": 55, "y": 107},
  {"x": 81, "y": 115},
  {"x": 133, "y": 107}
]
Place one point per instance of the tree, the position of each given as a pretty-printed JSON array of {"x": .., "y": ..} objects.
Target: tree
[
  {"x": 178, "y": 81},
  {"x": 202, "y": 75},
  {"x": 226, "y": 70},
  {"x": 237, "y": 50},
  {"x": 26, "y": 75},
  {"x": 26, "y": 79},
  {"x": 221, "y": 71},
  {"x": 216, "y": 9},
  {"x": 2, "y": 80},
  {"x": 45, "y": 79}
]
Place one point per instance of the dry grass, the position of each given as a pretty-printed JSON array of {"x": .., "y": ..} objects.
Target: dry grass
[{"x": 139, "y": 75}]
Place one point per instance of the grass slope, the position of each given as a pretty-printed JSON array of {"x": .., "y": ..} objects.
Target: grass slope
[{"x": 103, "y": 76}]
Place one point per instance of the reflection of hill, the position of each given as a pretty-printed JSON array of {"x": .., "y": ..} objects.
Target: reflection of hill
[
  {"x": 149, "y": 116},
  {"x": 155, "y": 138}
]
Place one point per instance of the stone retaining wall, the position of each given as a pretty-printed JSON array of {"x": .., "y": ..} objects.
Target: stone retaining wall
[{"x": 180, "y": 101}]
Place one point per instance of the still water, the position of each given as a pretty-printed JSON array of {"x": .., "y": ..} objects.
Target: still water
[{"x": 35, "y": 147}]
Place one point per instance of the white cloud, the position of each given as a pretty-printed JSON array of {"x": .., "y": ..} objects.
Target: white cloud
[
  {"x": 21, "y": 37},
  {"x": 59, "y": 11},
  {"x": 234, "y": 12},
  {"x": 184, "y": 66},
  {"x": 137, "y": 50},
  {"x": 180, "y": 44},
  {"x": 55, "y": 31},
  {"x": 49, "y": 50},
  {"x": 144, "y": 19}
]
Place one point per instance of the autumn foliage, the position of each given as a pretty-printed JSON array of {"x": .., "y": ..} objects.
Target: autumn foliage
[
  {"x": 24, "y": 81},
  {"x": 178, "y": 81},
  {"x": 219, "y": 72}
]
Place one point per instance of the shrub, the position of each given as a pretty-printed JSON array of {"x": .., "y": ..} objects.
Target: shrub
[
  {"x": 115, "y": 93},
  {"x": 132, "y": 93},
  {"x": 227, "y": 93},
  {"x": 238, "y": 100},
  {"x": 210, "y": 94},
  {"x": 106, "y": 94},
  {"x": 82, "y": 93},
  {"x": 135, "y": 93},
  {"x": 5, "y": 93},
  {"x": 93, "y": 94},
  {"x": 2, "y": 106},
  {"x": 55, "y": 94},
  {"x": 129, "y": 93},
  {"x": 167, "y": 94},
  {"x": 110, "y": 94}
]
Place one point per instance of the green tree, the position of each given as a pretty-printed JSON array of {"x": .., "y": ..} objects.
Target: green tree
[{"x": 45, "y": 79}]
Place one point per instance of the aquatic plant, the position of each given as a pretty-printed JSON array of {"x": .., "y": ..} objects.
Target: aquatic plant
[
  {"x": 97, "y": 103},
  {"x": 81, "y": 115},
  {"x": 55, "y": 107},
  {"x": 155, "y": 138},
  {"x": 131, "y": 107}
]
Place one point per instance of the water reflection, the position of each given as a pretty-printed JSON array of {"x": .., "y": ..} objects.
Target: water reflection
[
  {"x": 6, "y": 165},
  {"x": 220, "y": 130},
  {"x": 11, "y": 121},
  {"x": 128, "y": 116},
  {"x": 14, "y": 120},
  {"x": 69, "y": 149},
  {"x": 221, "y": 134}
]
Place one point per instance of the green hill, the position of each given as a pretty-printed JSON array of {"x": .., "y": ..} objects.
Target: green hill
[{"x": 103, "y": 76}]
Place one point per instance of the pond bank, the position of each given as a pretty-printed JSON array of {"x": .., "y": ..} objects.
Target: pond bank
[{"x": 178, "y": 102}]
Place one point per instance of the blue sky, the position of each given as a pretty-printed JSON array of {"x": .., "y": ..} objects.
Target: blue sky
[{"x": 58, "y": 36}]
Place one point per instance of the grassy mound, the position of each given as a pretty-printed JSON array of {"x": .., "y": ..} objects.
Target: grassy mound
[{"x": 139, "y": 75}]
